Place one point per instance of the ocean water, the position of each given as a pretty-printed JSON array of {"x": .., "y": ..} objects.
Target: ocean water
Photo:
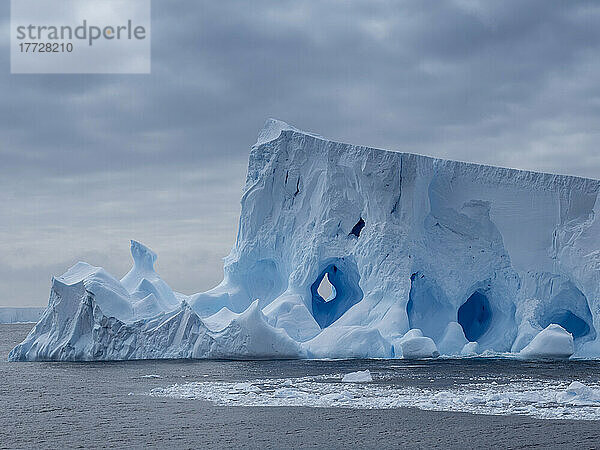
[{"x": 296, "y": 404}]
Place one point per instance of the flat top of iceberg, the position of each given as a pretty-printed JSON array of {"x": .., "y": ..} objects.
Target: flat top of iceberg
[{"x": 273, "y": 128}]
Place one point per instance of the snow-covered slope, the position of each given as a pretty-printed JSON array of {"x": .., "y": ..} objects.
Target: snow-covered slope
[
  {"x": 462, "y": 252},
  {"x": 92, "y": 316}
]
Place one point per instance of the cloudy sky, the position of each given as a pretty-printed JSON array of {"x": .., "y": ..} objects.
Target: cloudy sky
[{"x": 89, "y": 162}]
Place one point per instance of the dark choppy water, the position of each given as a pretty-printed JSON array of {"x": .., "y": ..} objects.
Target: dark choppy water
[{"x": 215, "y": 404}]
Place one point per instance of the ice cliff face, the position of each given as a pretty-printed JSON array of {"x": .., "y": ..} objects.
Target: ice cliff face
[
  {"x": 477, "y": 258},
  {"x": 20, "y": 315}
]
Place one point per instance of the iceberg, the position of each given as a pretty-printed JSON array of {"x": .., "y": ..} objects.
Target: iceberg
[
  {"x": 480, "y": 259},
  {"x": 20, "y": 315}
]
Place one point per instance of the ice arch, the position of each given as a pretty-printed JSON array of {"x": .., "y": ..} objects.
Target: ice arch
[
  {"x": 475, "y": 316},
  {"x": 345, "y": 290},
  {"x": 569, "y": 321},
  {"x": 569, "y": 309}
]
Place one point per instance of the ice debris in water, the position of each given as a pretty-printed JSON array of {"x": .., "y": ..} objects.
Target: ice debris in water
[
  {"x": 543, "y": 399},
  {"x": 362, "y": 376},
  {"x": 478, "y": 258},
  {"x": 578, "y": 393}
]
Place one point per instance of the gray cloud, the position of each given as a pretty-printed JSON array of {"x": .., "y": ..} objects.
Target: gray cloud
[{"x": 88, "y": 162}]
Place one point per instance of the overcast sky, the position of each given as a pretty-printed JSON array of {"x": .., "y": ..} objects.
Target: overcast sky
[{"x": 89, "y": 162}]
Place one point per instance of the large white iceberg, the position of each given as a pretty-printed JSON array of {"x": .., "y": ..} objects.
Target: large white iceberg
[{"x": 463, "y": 252}]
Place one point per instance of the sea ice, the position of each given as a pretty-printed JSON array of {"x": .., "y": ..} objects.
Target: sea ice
[
  {"x": 362, "y": 376},
  {"x": 540, "y": 399},
  {"x": 578, "y": 393}
]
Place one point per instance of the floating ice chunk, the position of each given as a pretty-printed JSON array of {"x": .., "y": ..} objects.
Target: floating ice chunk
[
  {"x": 362, "y": 376},
  {"x": 338, "y": 397},
  {"x": 552, "y": 342},
  {"x": 286, "y": 392},
  {"x": 576, "y": 388},
  {"x": 419, "y": 347},
  {"x": 245, "y": 387},
  {"x": 578, "y": 393}
]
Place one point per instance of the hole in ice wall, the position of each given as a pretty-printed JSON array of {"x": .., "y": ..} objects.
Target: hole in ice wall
[
  {"x": 335, "y": 291},
  {"x": 326, "y": 290},
  {"x": 570, "y": 310},
  {"x": 475, "y": 316},
  {"x": 356, "y": 229},
  {"x": 569, "y": 321},
  {"x": 428, "y": 307}
]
